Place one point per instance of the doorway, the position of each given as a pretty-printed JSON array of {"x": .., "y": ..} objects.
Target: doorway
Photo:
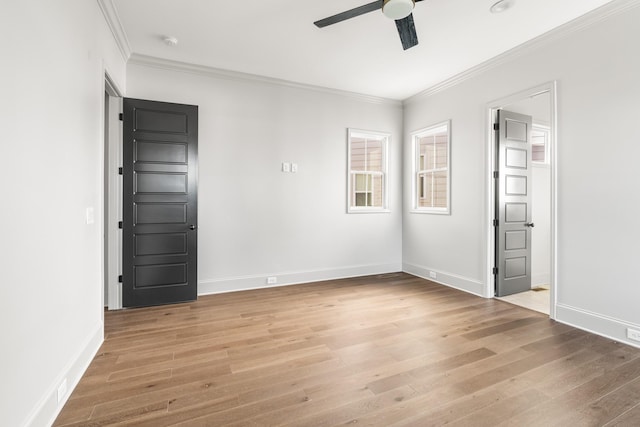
[
  {"x": 539, "y": 103},
  {"x": 160, "y": 203},
  {"x": 112, "y": 195}
]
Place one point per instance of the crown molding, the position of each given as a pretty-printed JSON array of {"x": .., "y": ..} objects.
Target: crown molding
[
  {"x": 203, "y": 70},
  {"x": 597, "y": 15},
  {"x": 113, "y": 21}
]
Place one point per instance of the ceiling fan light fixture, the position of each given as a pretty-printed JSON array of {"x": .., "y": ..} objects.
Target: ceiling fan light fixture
[{"x": 397, "y": 9}]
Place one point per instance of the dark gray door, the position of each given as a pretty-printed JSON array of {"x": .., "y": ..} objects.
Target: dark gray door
[
  {"x": 513, "y": 203},
  {"x": 160, "y": 203}
]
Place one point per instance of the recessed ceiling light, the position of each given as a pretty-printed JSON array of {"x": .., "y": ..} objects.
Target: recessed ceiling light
[
  {"x": 170, "y": 41},
  {"x": 501, "y": 6}
]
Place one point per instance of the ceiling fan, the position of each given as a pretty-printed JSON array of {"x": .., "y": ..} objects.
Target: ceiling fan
[{"x": 398, "y": 10}]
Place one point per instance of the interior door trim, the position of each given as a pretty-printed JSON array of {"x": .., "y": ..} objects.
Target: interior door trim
[{"x": 490, "y": 196}]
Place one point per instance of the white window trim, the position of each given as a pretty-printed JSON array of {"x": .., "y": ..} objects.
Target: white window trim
[
  {"x": 436, "y": 128},
  {"x": 385, "y": 174}
]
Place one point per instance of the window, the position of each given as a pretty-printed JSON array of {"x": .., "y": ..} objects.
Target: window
[
  {"x": 367, "y": 181},
  {"x": 431, "y": 169},
  {"x": 539, "y": 143}
]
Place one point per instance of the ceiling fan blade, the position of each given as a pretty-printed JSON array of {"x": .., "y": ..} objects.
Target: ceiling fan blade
[
  {"x": 407, "y": 31},
  {"x": 361, "y": 10}
]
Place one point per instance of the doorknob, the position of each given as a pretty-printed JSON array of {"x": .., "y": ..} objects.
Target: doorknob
[
  {"x": 192, "y": 227},
  {"x": 529, "y": 224}
]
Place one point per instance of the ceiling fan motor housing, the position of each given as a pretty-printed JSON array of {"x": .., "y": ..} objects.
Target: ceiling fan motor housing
[{"x": 398, "y": 9}]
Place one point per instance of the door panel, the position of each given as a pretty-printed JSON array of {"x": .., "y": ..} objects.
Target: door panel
[
  {"x": 160, "y": 147},
  {"x": 513, "y": 203}
]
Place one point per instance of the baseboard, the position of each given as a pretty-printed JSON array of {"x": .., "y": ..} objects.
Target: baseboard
[
  {"x": 244, "y": 283},
  {"x": 448, "y": 279},
  {"x": 606, "y": 326},
  {"x": 48, "y": 408}
]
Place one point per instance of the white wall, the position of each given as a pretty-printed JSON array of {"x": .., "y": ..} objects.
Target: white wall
[
  {"x": 52, "y": 74},
  {"x": 597, "y": 69},
  {"x": 256, "y": 221},
  {"x": 541, "y": 233}
]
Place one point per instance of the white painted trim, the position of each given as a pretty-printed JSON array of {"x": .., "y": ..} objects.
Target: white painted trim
[
  {"x": 47, "y": 409},
  {"x": 490, "y": 151},
  {"x": 112, "y": 19},
  {"x": 244, "y": 283},
  {"x": 113, "y": 198},
  {"x": 599, "y": 324},
  {"x": 170, "y": 65},
  {"x": 451, "y": 280},
  {"x": 610, "y": 9},
  {"x": 114, "y": 235}
]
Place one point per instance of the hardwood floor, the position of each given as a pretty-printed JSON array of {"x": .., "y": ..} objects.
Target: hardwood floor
[{"x": 390, "y": 350}]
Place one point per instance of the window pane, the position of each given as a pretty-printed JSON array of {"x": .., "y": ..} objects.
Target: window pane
[
  {"x": 441, "y": 160},
  {"x": 426, "y": 153},
  {"x": 537, "y": 153},
  {"x": 439, "y": 190},
  {"x": 426, "y": 201},
  {"x": 358, "y": 154},
  {"x": 361, "y": 182},
  {"x": 539, "y": 137},
  {"x": 361, "y": 199},
  {"x": 374, "y": 156},
  {"x": 377, "y": 190},
  {"x": 431, "y": 171}
]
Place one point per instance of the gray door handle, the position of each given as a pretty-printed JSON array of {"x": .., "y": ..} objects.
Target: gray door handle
[{"x": 529, "y": 224}]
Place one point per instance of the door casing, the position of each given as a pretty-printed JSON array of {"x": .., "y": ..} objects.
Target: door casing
[
  {"x": 112, "y": 246},
  {"x": 490, "y": 151}
]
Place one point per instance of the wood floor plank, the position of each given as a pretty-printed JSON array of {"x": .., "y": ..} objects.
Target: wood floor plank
[{"x": 385, "y": 350}]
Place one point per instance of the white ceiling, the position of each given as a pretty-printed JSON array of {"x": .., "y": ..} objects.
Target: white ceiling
[{"x": 277, "y": 38}]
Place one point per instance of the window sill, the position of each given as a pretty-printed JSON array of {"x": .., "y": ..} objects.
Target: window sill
[
  {"x": 367, "y": 210},
  {"x": 435, "y": 211}
]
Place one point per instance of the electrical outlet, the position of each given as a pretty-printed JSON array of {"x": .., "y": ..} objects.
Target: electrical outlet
[
  {"x": 632, "y": 334},
  {"x": 286, "y": 167},
  {"x": 294, "y": 167},
  {"x": 432, "y": 274},
  {"x": 272, "y": 280},
  {"x": 62, "y": 390}
]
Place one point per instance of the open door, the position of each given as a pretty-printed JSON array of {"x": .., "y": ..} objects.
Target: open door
[
  {"x": 513, "y": 203},
  {"x": 160, "y": 203}
]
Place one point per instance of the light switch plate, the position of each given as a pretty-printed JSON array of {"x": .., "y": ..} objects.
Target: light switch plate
[{"x": 90, "y": 216}]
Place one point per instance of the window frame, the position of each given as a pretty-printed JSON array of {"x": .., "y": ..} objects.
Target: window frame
[
  {"x": 546, "y": 130},
  {"x": 385, "y": 137},
  {"x": 416, "y": 168}
]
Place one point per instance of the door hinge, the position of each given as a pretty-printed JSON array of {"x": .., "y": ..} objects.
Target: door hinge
[
  {"x": 120, "y": 278},
  {"x": 495, "y": 175},
  {"x": 496, "y": 126},
  {"x": 495, "y": 222},
  {"x": 120, "y": 224},
  {"x": 121, "y": 116},
  {"x": 495, "y": 271},
  {"x": 119, "y": 171}
]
